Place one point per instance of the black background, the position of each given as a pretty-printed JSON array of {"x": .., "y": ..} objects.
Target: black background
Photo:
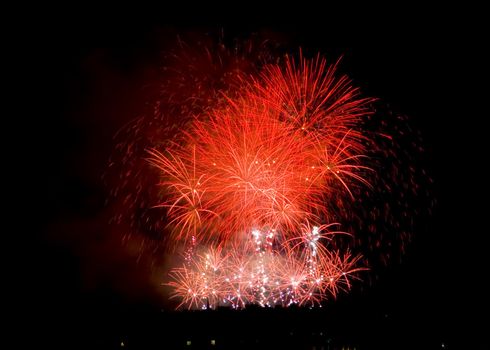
[{"x": 86, "y": 75}]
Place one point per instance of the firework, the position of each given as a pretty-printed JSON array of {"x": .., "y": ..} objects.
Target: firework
[
  {"x": 260, "y": 171},
  {"x": 259, "y": 176}
]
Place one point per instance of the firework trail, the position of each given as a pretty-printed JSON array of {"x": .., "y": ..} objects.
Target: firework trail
[{"x": 255, "y": 166}]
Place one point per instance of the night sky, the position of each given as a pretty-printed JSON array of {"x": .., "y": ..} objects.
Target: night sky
[{"x": 85, "y": 289}]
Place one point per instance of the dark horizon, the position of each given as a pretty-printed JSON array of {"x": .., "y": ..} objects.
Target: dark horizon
[{"x": 98, "y": 293}]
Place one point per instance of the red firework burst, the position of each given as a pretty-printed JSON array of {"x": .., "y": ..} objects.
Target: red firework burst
[{"x": 260, "y": 176}]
